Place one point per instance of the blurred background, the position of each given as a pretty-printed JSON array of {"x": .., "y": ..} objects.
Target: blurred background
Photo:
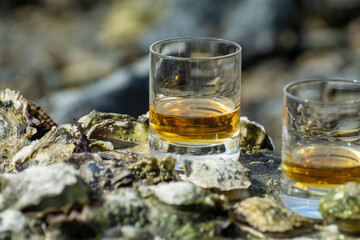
[{"x": 71, "y": 57}]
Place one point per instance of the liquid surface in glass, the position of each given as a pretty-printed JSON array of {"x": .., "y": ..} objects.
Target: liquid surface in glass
[
  {"x": 195, "y": 120},
  {"x": 321, "y": 165}
]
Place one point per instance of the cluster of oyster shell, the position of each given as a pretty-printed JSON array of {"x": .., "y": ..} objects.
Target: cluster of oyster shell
[{"x": 94, "y": 180}]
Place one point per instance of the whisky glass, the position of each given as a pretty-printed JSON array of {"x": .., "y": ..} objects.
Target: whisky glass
[
  {"x": 320, "y": 141},
  {"x": 195, "y": 86}
]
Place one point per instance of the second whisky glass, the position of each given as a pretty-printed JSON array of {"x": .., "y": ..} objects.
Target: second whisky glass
[
  {"x": 195, "y": 86},
  {"x": 320, "y": 141}
]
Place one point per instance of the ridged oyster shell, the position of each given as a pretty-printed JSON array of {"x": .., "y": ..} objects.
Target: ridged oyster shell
[
  {"x": 55, "y": 146},
  {"x": 43, "y": 189},
  {"x": 220, "y": 174},
  {"x": 121, "y": 130},
  {"x": 20, "y": 122},
  {"x": 109, "y": 126},
  {"x": 261, "y": 215},
  {"x": 177, "y": 193},
  {"x": 253, "y": 136}
]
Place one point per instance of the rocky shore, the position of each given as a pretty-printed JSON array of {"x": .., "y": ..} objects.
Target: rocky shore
[{"x": 93, "y": 179}]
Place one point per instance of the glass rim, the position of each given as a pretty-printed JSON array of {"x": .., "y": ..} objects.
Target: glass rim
[
  {"x": 314, "y": 80},
  {"x": 238, "y": 50}
]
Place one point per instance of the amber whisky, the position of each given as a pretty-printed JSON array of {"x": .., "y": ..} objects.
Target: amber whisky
[
  {"x": 195, "y": 121},
  {"x": 322, "y": 165}
]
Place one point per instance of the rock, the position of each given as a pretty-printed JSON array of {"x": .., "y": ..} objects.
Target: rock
[
  {"x": 265, "y": 173},
  {"x": 341, "y": 205},
  {"x": 43, "y": 189}
]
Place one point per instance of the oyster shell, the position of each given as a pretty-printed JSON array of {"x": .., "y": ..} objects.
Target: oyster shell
[
  {"x": 185, "y": 195},
  {"x": 55, "y": 146},
  {"x": 124, "y": 206},
  {"x": 43, "y": 189},
  {"x": 154, "y": 170},
  {"x": 12, "y": 221},
  {"x": 341, "y": 205},
  {"x": 127, "y": 232},
  {"x": 177, "y": 193},
  {"x": 185, "y": 221},
  {"x": 265, "y": 215},
  {"x": 253, "y": 136},
  {"x": 99, "y": 146},
  {"x": 221, "y": 174},
  {"x": 123, "y": 131},
  {"x": 20, "y": 122},
  {"x": 101, "y": 174}
]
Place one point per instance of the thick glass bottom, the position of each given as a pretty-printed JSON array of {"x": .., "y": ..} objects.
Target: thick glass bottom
[
  {"x": 301, "y": 198},
  {"x": 306, "y": 207},
  {"x": 161, "y": 149}
]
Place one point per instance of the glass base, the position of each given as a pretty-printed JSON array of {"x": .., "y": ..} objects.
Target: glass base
[
  {"x": 305, "y": 207},
  {"x": 301, "y": 198},
  {"x": 162, "y": 149}
]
